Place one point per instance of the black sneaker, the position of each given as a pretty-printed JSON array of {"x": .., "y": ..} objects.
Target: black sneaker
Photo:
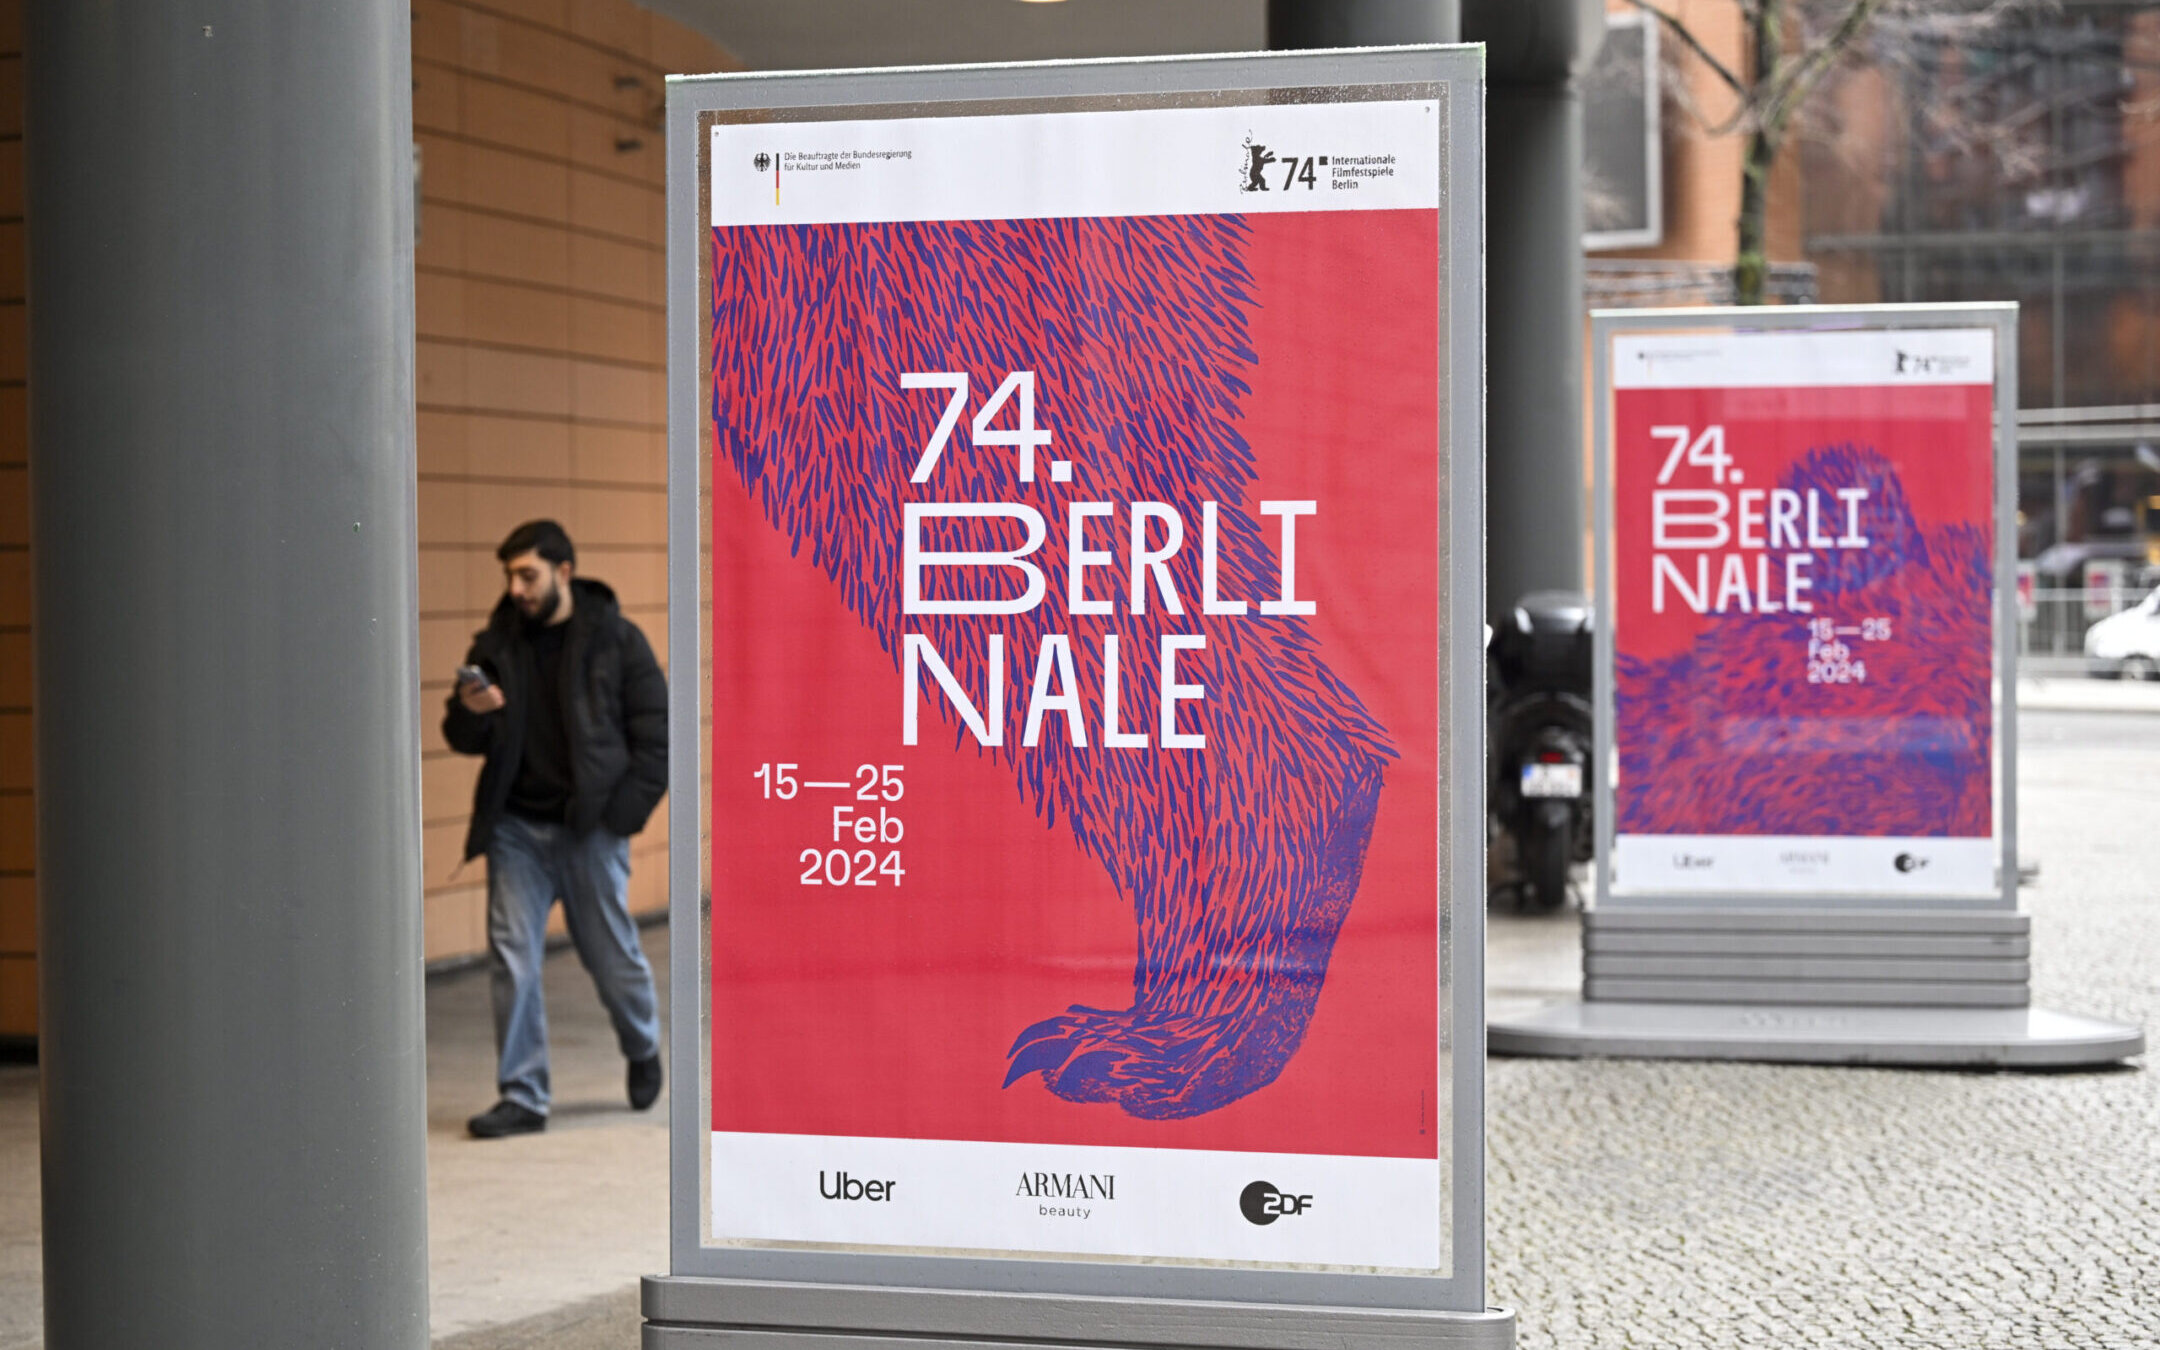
[
  {"x": 506, "y": 1117},
  {"x": 644, "y": 1082}
]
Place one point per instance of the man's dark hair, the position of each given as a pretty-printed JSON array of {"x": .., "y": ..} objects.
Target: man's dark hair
[{"x": 544, "y": 537}]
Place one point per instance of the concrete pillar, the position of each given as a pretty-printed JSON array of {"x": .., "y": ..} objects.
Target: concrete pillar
[
  {"x": 1299, "y": 24},
  {"x": 1534, "y": 497},
  {"x": 222, "y": 495},
  {"x": 1534, "y": 437}
]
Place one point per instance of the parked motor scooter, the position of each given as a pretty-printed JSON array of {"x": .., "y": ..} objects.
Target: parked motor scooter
[{"x": 1541, "y": 740}]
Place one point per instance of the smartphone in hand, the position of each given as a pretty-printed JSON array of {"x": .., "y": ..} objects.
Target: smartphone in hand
[{"x": 477, "y": 692}]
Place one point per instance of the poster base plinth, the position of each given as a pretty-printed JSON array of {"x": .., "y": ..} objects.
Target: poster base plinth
[
  {"x": 1948, "y": 1038},
  {"x": 694, "y": 1313}
]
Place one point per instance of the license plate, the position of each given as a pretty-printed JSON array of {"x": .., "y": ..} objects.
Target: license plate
[{"x": 1552, "y": 780}]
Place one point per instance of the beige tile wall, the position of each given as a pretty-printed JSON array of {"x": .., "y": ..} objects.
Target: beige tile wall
[
  {"x": 540, "y": 374},
  {"x": 541, "y": 353},
  {"x": 540, "y": 364}
]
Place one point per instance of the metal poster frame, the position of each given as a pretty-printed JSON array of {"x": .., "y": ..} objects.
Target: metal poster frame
[
  {"x": 2001, "y": 317},
  {"x": 871, "y": 1280}
]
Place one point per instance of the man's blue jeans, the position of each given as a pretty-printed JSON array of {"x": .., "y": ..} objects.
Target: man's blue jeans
[{"x": 530, "y": 864}]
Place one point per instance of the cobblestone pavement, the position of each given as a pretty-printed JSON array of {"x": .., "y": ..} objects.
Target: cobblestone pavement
[{"x": 1674, "y": 1204}]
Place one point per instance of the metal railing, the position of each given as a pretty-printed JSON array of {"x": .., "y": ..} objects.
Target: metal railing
[{"x": 2052, "y": 621}]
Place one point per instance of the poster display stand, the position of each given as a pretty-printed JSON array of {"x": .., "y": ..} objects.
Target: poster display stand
[
  {"x": 1077, "y": 822},
  {"x": 1805, "y": 685}
]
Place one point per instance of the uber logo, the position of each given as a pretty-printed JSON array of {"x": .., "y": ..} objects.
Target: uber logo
[
  {"x": 845, "y": 1187},
  {"x": 1262, "y": 1204}
]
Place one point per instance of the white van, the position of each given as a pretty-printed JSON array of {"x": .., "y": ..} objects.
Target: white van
[{"x": 2128, "y": 644}]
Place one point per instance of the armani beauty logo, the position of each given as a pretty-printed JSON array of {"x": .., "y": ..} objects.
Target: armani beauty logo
[
  {"x": 1068, "y": 1185},
  {"x": 1047, "y": 1189}
]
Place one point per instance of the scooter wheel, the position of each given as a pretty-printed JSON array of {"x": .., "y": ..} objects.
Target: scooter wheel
[{"x": 1546, "y": 853}]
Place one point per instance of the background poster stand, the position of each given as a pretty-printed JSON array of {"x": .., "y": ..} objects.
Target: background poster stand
[
  {"x": 1798, "y": 859},
  {"x": 1118, "y": 284}
]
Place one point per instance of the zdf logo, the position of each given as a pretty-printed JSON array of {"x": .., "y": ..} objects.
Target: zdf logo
[{"x": 1262, "y": 1204}]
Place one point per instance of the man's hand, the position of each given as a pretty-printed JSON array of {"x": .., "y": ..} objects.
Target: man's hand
[{"x": 480, "y": 698}]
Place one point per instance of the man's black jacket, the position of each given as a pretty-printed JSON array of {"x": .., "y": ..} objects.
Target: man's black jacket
[{"x": 613, "y": 695}]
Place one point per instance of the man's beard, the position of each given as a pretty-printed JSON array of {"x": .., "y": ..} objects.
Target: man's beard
[{"x": 545, "y": 610}]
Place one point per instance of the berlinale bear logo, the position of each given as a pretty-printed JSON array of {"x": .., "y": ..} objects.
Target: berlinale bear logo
[{"x": 1235, "y": 825}]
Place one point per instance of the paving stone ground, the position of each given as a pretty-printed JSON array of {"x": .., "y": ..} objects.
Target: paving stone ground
[
  {"x": 1673, "y": 1204},
  {"x": 1631, "y": 1203}
]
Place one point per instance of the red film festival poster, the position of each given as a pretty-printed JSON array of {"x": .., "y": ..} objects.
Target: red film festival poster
[
  {"x": 1074, "y": 704},
  {"x": 1803, "y": 638}
]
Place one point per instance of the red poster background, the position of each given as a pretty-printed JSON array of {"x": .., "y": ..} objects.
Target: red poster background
[
  {"x": 1939, "y": 439},
  {"x": 1718, "y": 727},
  {"x": 887, "y": 1012}
]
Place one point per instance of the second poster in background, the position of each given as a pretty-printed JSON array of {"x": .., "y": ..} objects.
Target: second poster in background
[{"x": 1803, "y": 628}]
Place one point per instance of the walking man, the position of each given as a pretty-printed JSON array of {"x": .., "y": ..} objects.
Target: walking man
[{"x": 562, "y": 695}]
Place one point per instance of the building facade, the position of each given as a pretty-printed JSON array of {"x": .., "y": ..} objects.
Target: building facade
[
  {"x": 2022, "y": 163},
  {"x": 540, "y": 308},
  {"x": 2015, "y": 155}
]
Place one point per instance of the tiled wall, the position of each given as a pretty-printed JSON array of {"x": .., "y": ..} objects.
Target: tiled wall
[
  {"x": 540, "y": 376},
  {"x": 541, "y": 362}
]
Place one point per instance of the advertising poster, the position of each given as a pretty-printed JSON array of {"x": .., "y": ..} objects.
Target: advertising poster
[
  {"x": 1803, "y": 564},
  {"x": 1074, "y": 702}
]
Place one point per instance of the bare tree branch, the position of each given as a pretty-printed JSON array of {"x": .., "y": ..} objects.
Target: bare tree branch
[
  {"x": 1794, "y": 81},
  {"x": 1794, "y": 46},
  {"x": 1692, "y": 43},
  {"x": 1904, "y": 43}
]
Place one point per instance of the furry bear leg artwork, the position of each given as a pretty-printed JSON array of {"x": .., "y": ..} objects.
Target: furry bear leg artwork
[
  {"x": 1908, "y": 752},
  {"x": 1240, "y": 859}
]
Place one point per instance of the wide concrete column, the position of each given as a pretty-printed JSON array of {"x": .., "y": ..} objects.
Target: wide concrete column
[
  {"x": 221, "y": 412},
  {"x": 1535, "y": 49},
  {"x": 1534, "y": 430},
  {"x": 1298, "y": 24}
]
